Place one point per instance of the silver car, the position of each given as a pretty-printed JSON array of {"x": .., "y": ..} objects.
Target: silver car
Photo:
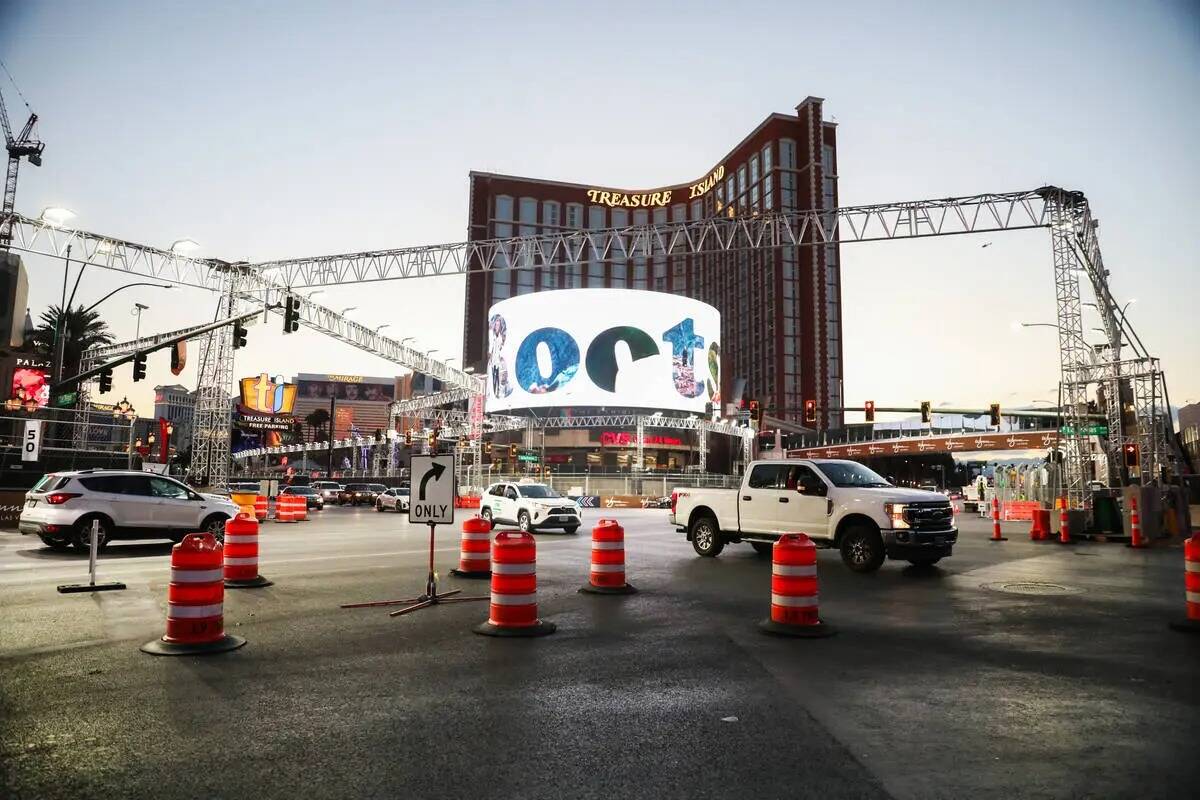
[{"x": 392, "y": 500}]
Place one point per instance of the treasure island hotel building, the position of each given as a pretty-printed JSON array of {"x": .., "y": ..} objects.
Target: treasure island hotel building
[{"x": 780, "y": 307}]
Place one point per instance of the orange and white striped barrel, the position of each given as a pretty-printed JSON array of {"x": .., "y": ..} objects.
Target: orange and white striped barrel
[
  {"x": 475, "y": 549},
  {"x": 195, "y": 600},
  {"x": 795, "y": 600},
  {"x": 1191, "y": 586},
  {"x": 607, "y": 574},
  {"x": 260, "y": 507},
  {"x": 513, "y": 610},
  {"x": 299, "y": 508},
  {"x": 1037, "y": 525},
  {"x": 1135, "y": 524},
  {"x": 1064, "y": 523},
  {"x": 241, "y": 553},
  {"x": 285, "y": 508}
]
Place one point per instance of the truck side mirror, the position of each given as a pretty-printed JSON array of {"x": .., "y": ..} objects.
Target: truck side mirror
[{"x": 812, "y": 487}]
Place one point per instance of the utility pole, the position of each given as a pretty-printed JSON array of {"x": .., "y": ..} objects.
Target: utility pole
[{"x": 332, "y": 418}]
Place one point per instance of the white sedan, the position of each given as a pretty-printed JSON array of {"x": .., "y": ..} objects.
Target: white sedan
[{"x": 393, "y": 499}]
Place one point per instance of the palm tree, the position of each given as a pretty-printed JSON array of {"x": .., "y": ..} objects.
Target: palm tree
[
  {"x": 81, "y": 330},
  {"x": 317, "y": 420}
]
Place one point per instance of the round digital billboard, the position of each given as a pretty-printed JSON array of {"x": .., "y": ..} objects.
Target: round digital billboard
[{"x": 603, "y": 347}]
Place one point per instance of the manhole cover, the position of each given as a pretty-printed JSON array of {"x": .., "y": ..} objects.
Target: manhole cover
[{"x": 1031, "y": 587}]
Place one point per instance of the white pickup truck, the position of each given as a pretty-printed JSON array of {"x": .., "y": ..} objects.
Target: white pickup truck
[{"x": 840, "y": 504}]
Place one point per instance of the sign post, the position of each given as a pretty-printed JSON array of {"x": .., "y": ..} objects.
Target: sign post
[
  {"x": 91, "y": 585},
  {"x": 431, "y": 501}
]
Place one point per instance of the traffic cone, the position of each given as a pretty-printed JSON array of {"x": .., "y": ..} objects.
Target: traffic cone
[
  {"x": 474, "y": 559},
  {"x": 794, "y": 598},
  {"x": 1191, "y": 586},
  {"x": 607, "y": 574},
  {"x": 1135, "y": 524},
  {"x": 1064, "y": 523},
  {"x": 241, "y": 554},
  {"x": 1037, "y": 530},
  {"x": 996, "y": 537},
  {"x": 513, "y": 610},
  {"x": 195, "y": 601}
]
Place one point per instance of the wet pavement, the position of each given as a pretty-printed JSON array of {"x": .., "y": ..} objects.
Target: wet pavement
[{"x": 1014, "y": 669}]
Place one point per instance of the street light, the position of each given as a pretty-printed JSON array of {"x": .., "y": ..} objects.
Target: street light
[
  {"x": 55, "y": 216},
  {"x": 431, "y": 352},
  {"x": 127, "y": 286},
  {"x": 315, "y": 292},
  {"x": 344, "y": 311},
  {"x": 138, "y": 308},
  {"x": 407, "y": 339},
  {"x": 381, "y": 327}
]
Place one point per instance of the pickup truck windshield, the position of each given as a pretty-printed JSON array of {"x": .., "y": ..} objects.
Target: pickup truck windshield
[
  {"x": 848, "y": 474},
  {"x": 538, "y": 491}
]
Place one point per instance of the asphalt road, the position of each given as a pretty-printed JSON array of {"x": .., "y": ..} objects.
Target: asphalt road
[{"x": 939, "y": 684}]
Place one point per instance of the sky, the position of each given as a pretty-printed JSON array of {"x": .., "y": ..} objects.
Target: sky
[{"x": 280, "y": 129}]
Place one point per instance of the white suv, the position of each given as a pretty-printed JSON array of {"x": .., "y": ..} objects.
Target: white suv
[
  {"x": 530, "y": 506},
  {"x": 129, "y": 505}
]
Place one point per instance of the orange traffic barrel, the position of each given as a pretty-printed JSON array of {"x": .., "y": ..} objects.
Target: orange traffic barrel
[
  {"x": 513, "y": 609},
  {"x": 260, "y": 507},
  {"x": 1191, "y": 586},
  {"x": 195, "y": 601},
  {"x": 241, "y": 554},
  {"x": 607, "y": 574},
  {"x": 299, "y": 508},
  {"x": 795, "y": 602},
  {"x": 475, "y": 548},
  {"x": 285, "y": 508},
  {"x": 1038, "y": 525}
]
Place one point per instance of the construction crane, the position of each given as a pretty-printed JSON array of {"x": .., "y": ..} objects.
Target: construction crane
[{"x": 23, "y": 145}]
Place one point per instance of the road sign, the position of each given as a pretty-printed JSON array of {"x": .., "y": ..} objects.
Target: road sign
[
  {"x": 1089, "y": 430},
  {"x": 31, "y": 448},
  {"x": 432, "y": 490},
  {"x": 528, "y": 455}
]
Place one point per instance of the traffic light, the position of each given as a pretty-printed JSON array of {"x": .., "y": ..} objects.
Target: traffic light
[
  {"x": 810, "y": 411},
  {"x": 926, "y": 414},
  {"x": 291, "y": 314},
  {"x": 408, "y": 437},
  {"x": 512, "y": 451},
  {"x": 106, "y": 381},
  {"x": 139, "y": 367},
  {"x": 433, "y": 439},
  {"x": 1131, "y": 455},
  {"x": 755, "y": 410},
  {"x": 487, "y": 448},
  {"x": 994, "y": 412},
  {"x": 239, "y": 336},
  {"x": 869, "y": 410}
]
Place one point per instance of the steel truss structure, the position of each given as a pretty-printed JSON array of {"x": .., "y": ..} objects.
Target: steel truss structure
[{"x": 1066, "y": 213}]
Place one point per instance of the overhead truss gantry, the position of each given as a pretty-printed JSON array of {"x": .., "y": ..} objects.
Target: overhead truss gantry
[{"x": 1134, "y": 386}]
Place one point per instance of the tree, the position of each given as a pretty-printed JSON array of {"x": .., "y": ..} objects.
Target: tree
[
  {"x": 82, "y": 330},
  {"x": 317, "y": 420}
]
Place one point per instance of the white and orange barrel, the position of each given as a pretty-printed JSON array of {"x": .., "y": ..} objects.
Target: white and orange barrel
[
  {"x": 1064, "y": 522},
  {"x": 260, "y": 507},
  {"x": 299, "y": 508},
  {"x": 513, "y": 610},
  {"x": 195, "y": 600},
  {"x": 285, "y": 508},
  {"x": 475, "y": 549},
  {"x": 795, "y": 600},
  {"x": 607, "y": 573},
  {"x": 1135, "y": 524},
  {"x": 1191, "y": 586},
  {"x": 996, "y": 537},
  {"x": 241, "y": 553}
]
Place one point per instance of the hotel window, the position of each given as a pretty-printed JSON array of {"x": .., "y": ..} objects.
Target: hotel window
[
  {"x": 573, "y": 277},
  {"x": 753, "y": 170},
  {"x": 660, "y": 261},
  {"x": 787, "y": 154},
  {"x": 595, "y": 265},
  {"x": 529, "y": 210},
  {"x": 741, "y": 186},
  {"x": 827, "y": 159},
  {"x": 550, "y": 214},
  {"x": 730, "y": 191},
  {"x": 574, "y": 216},
  {"x": 500, "y": 285},
  {"x": 766, "y": 158},
  {"x": 697, "y": 210},
  {"x": 504, "y": 207},
  {"x": 618, "y": 268}
]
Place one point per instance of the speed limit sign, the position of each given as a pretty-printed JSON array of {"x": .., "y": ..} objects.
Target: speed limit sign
[{"x": 31, "y": 445}]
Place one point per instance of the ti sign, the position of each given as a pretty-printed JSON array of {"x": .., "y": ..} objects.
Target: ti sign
[
  {"x": 1090, "y": 430},
  {"x": 432, "y": 490}
]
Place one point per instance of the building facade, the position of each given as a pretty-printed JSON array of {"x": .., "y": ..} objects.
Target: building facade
[
  {"x": 780, "y": 307},
  {"x": 359, "y": 404},
  {"x": 1189, "y": 432},
  {"x": 177, "y": 405}
]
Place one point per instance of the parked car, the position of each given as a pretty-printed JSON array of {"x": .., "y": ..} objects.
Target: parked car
[
  {"x": 62, "y": 506},
  {"x": 330, "y": 491},
  {"x": 530, "y": 506},
  {"x": 840, "y": 504},
  {"x": 312, "y": 498},
  {"x": 394, "y": 499}
]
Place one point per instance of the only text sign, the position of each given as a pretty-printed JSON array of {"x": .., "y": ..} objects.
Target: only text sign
[{"x": 432, "y": 490}]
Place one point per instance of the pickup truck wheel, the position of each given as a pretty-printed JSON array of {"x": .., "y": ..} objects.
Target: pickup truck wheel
[
  {"x": 862, "y": 548},
  {"x": 706, "y": 537},
  {"x": 763, "y": 548}
]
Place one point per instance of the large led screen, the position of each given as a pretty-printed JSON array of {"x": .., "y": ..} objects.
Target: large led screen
[{"x": 603, "y": 347}]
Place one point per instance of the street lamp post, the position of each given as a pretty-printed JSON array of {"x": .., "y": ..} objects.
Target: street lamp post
[{"x": 138, "y": 308}]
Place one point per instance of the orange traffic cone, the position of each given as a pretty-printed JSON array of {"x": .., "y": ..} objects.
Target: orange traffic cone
[{"x": 195, "y": 601}]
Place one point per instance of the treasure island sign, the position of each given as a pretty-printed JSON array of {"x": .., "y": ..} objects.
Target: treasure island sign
[{"x": 656, "y": 199}]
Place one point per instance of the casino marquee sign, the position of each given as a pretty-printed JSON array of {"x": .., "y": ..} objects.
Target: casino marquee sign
[{"x": 932, "y": 445}]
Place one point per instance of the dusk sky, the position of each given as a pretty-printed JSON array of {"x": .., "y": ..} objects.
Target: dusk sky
[{"x": 276, "y": 129}]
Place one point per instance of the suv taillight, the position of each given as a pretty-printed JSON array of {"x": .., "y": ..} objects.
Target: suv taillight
[
  {"x": 674, "y": 500},
  {"x": 58, "y": 498}
]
